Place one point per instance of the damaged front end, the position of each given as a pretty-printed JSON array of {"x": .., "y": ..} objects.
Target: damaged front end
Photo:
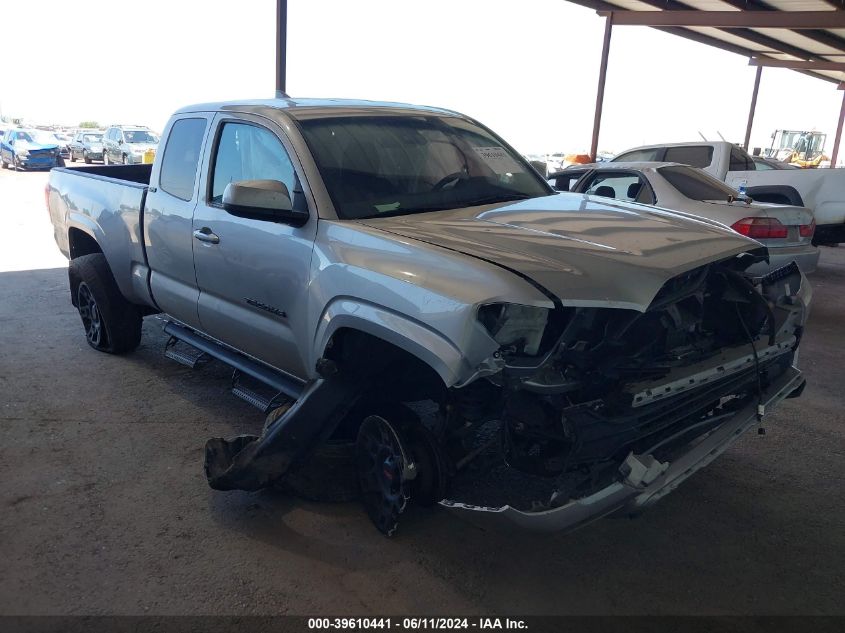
[{"x": 598, "y": 409}]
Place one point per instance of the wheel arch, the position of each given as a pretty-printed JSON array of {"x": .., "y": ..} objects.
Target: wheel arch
[
  {"x": 776, "y": 194},
  {"x": 346, "y": 318},
  {"x": 81, "y": 243}
]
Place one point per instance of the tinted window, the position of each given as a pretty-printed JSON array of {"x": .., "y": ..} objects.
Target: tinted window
[
  {"x": 692, "y": 155},
  {"x": 638, "y": 155},
  {"x": 249, "y": 152},
  {"x": 565, "y": 180},
  {"x": 740, "y": 161},
  {"x": 401, "y": 164},
  {"x": 139, "y": 136},
  {"x": 619, "y": 186},
  {"x": 695, "y": 184},
  {"x": 181, "y": 157}
]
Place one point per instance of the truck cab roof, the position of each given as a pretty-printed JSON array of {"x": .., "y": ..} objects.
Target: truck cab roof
[{"x": 305, "y": 108}]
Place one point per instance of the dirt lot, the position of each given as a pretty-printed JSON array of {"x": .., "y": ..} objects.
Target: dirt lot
[{"x": 104, "y": 508}]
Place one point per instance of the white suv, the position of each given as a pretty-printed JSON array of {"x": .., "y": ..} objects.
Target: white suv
[{"x": 127, "y": 144}]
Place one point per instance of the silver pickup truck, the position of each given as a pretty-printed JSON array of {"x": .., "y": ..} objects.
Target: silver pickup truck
[{"x": 397, "y": 278}]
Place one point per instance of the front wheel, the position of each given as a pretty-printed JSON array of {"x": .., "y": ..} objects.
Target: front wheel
[
  {"x": 86, "y": 158},
  {"x": 105, "y": 158},
  {"x": 111, "y": 323}
]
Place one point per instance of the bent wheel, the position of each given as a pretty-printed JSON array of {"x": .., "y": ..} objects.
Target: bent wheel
[
  {"x": 91, "y": 319},
  {"x": 383, "y": 469},
  {"x": 111, "y": 323}
]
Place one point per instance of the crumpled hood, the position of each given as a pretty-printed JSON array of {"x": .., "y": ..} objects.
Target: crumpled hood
[
  {"x": 585, "y": 250},
  {"x": 30, "y": 146}
]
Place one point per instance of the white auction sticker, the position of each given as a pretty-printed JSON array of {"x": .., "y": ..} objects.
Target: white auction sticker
[{"x": 498, "y": 160}]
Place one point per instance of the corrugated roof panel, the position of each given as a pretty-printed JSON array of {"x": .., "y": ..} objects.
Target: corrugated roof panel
[
  {"x": 798, "y": 40},
  {"x": 800, "y": 5},
  {"x": 730, "y": 38}
]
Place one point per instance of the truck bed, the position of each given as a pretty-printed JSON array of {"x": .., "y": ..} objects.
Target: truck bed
[{"x": 104, "y": 203}]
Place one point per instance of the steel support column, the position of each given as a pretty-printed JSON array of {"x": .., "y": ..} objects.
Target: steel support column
[
  {"x": 281, "y": 47},
  {"x": 605, "y": 49},
  {"x": 835, "y": 155},
  {"x": 752, "y": 108}
]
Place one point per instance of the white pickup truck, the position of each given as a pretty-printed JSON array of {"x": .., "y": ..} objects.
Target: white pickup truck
[{"x": 822, "y": 190}]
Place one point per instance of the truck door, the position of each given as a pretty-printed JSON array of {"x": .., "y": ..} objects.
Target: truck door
[
  {"x": 252, "y": 273},
  {"x": 168, "y": 215}
]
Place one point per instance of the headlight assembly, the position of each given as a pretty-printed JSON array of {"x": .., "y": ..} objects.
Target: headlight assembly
[{"x": 515, "y": 326}]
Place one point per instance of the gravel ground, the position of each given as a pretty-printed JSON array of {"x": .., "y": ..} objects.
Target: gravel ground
[{"x": 104, "y": 508}]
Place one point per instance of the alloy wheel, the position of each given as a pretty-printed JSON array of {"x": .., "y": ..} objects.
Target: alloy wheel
[{"x": 92, "y": 320}]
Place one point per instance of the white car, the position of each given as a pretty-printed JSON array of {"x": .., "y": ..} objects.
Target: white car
[
  {"x": 787, "y": 231},
  {"x": 821, "y": 190}
]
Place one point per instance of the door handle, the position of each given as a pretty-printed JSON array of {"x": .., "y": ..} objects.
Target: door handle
[{"x": 205, "y": 235}]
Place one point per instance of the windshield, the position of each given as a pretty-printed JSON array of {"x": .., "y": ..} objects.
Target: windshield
[
  {"x": 139, "y": 136},
  {"x": 396, "y": 165},
  {"x": 696, "y": 184},
  {"x": 92, "y": 138},
  {"x": 46, "y": 138}
]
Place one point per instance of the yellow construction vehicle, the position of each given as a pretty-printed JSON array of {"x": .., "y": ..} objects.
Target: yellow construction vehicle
[{"x": 802, "y": 149}]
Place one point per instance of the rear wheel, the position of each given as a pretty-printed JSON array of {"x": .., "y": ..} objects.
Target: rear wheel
[{"x": 111, "y": 323}]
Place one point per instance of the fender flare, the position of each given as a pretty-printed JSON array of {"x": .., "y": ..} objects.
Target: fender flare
[
  {"x": 785, "y": 191},
  {"x": 416, "y": 338}
]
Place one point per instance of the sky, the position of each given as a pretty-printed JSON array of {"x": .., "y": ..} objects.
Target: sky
[{"x": 526, "y": 69}]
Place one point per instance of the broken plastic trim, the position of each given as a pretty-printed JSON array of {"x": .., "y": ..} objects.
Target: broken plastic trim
[{"x": 653, "y": 480}]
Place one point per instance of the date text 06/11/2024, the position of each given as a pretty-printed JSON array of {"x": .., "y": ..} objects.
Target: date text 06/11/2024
[{"x": 415, "y": 624}]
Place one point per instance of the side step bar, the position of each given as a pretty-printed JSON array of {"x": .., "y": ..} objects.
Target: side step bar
[
  {"x": 282, "y": 383},
  {"x": 185, "y": 354},
  {"x": 253, "y": 395}
]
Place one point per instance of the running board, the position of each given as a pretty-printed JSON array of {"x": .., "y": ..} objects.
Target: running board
[
  {"x": 185, "y": 354},
  {"x": 281, "y": 382},
  {"x": 261, "y": 401}
]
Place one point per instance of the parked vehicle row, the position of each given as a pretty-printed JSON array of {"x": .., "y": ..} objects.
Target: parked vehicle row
[
  {"x": 355, "y": 257},
  {"x": 785, "y": 230}
]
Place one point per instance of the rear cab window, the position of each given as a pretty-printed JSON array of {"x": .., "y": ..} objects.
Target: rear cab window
[
  {"x": 180, "y": 161},
  {"x": 693, "y": 155},
  {"x": 648, "y": 154},
  {"x": 740, "y": 161}
]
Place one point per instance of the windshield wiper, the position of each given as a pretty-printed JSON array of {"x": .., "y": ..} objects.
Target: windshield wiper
[{"x": 502, "y": 197}]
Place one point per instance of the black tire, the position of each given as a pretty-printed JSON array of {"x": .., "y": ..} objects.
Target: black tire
[
  {"x": 86, "y": 158},
  {"x": 105, "y": 158},
  {"x": 126, "y": 159},
  {"x": 112, "y": 324}
]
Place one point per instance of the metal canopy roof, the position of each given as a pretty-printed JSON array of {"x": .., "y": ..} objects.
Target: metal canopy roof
[{"x": 775, "y": 32}]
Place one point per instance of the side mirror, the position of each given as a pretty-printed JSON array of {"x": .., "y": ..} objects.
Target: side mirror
[{"x": 262, "y": 200}]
